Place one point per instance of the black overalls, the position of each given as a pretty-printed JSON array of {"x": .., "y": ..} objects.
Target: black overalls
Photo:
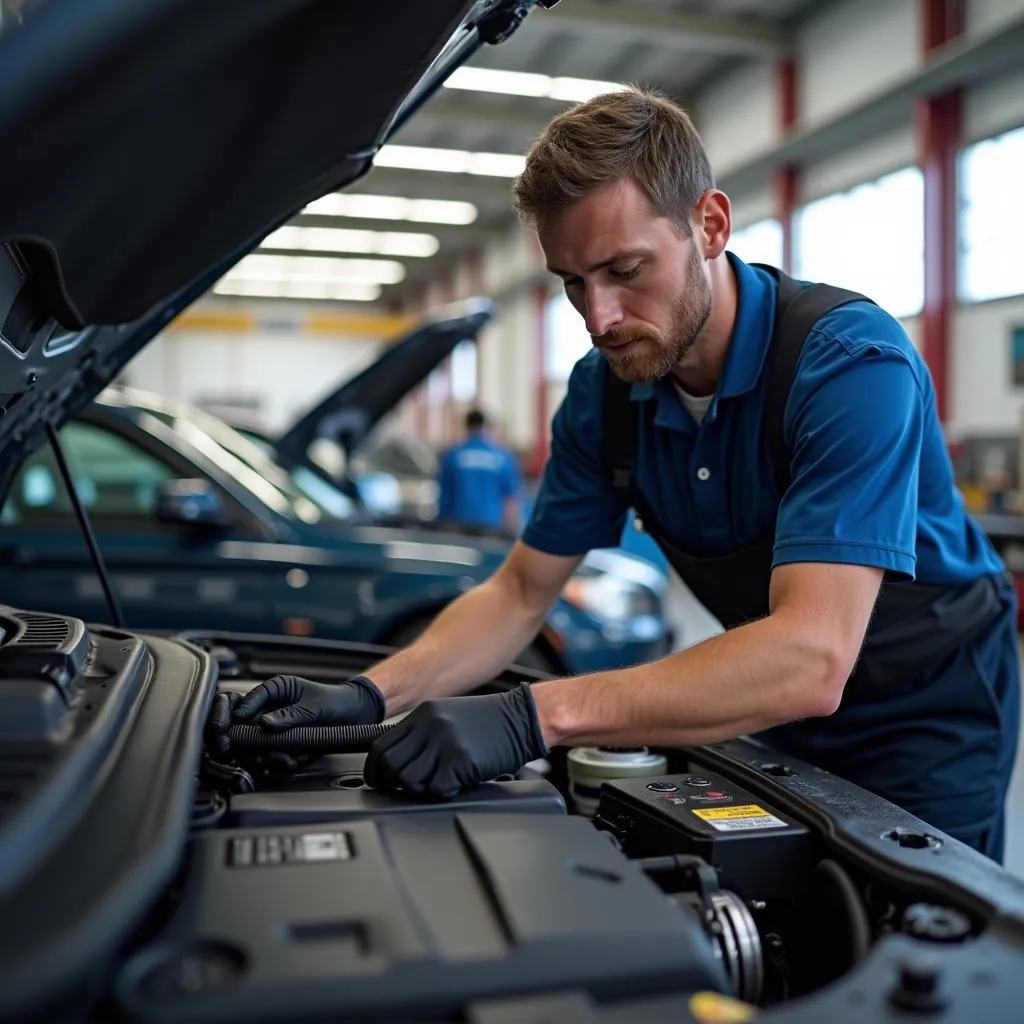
[{"x": 930, "y": 716}]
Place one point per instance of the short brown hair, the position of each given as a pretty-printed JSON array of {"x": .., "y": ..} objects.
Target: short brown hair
[{"x": 634, "y": 133}]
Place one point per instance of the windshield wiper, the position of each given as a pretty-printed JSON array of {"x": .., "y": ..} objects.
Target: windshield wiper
[{"x": 83, "y": 520}]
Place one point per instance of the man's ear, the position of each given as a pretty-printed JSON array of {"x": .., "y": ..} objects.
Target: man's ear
[{"x": 712, "y": 222}]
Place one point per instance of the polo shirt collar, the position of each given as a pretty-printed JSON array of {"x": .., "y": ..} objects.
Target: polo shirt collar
[{"x": 755, "y": 316}]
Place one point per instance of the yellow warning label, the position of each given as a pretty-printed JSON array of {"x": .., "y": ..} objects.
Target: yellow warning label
[
  {"x": 743, "y": 818},
  {"x": 741, "y": 811},
  {"x": 712, "y": 1008}
]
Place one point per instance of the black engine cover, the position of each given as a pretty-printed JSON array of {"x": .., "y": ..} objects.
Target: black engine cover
[{"x": 409, "y": 919}]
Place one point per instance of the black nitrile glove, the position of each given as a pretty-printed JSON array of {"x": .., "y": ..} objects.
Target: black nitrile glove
[
  {"x": 297, "y": 701},
  {"x": 447, "y": 745},
  {"x": 219, "y": 721}
]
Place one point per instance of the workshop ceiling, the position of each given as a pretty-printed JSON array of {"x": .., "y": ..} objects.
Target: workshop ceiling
[{"x": 476, "y": 129}]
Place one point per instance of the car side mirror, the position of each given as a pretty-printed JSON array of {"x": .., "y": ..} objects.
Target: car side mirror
[{"x": 191, "y": 503}]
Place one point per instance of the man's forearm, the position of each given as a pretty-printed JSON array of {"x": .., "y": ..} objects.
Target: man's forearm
[
  {"x": 751, "y": 678},
  {"x": 469, "y": 643}
]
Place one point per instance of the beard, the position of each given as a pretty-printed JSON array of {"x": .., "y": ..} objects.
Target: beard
[{"x": 657, "y": 353}]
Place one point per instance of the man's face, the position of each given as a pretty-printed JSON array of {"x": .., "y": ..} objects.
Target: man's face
[{"x": 634, "y": 277}]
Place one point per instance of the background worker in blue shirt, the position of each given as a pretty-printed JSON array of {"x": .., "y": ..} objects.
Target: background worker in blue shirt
[
  {"x": 478, "y": 481},
  {"x": 783, "y": 448}
]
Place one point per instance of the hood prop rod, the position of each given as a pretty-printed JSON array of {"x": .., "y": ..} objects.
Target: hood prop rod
[{"x": 83, "y": 521}]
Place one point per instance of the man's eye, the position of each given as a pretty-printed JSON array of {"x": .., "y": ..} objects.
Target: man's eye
[{"x": 627, "y": 274}]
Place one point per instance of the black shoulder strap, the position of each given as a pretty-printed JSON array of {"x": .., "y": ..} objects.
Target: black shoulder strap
[
  {"x": 619, "y": 441},
  {"x": 797, "y": 309}
]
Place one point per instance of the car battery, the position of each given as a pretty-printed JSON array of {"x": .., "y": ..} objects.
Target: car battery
[{"x": 758, "y": 851}]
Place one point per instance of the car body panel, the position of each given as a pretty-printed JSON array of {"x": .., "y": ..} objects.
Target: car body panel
[{"x": 271, "y": 571}]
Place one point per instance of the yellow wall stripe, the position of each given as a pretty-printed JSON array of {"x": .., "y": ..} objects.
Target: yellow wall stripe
[{"x": 385, "y": 326}]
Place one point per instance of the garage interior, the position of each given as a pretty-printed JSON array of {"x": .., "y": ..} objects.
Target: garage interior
[
  {"x": 264, "y": 488},
  {"x": 869, "y": 144}
]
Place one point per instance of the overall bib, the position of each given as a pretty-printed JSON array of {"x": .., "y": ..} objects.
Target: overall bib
[{"x": 930, "y": 716}]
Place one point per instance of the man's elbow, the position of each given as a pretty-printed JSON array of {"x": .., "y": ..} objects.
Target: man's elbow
[{"x": 829, "y": 665}]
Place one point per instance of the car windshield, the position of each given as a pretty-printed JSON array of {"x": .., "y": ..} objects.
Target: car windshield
[{"x": 303, "y": 496}]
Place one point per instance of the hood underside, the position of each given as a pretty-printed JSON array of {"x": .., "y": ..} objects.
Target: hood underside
[{"x": 147, "y": 145}]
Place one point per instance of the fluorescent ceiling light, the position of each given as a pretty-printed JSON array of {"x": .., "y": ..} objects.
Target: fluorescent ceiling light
[
  {"x": 326, "y": 269},
  {"x": 426, "y": 211},
  {"x": 523, "y": 83},
  {"x": 454, "y": 161},
  {"x": 298, "y": 290},
  {"x": 579, "y": 90},
  {"x": 384, "y": 243}
]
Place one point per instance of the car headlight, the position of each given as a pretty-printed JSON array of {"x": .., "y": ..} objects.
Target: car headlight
[{"x": 609, "y": 598}]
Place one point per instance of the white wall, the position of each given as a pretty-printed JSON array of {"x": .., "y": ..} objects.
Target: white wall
[
  {"x": 509, "y": 354},
  {"x": 994, "y": 107},
  {"x": 890, "y": 152},
  {"x": 738, "y": 119},
  {"x": 983, "y": 397},
  {"x": 986, "y": 16},
  {"x": 284, "y": 370},
  {"x": 751, "y": 207},
  {"x": 853, "y": 51}
]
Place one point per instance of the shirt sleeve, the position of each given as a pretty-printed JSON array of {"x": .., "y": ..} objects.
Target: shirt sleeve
[
  {"x": 856, "y": 420},
  {"x": 576, "y": 509}
]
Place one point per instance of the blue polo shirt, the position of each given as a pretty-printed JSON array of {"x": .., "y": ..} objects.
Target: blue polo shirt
[
  {"x": 475, "y": 479},
  {"x": 871, "y": 480}
]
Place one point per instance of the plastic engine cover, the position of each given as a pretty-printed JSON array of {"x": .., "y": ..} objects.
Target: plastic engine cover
[
  {"x": 380, "y": 920},
  {"x": 335, "y": 791}
]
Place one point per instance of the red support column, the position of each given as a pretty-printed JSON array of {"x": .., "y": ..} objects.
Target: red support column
[
  {"x": 539, "y": 455},
  {"x": 785, "y": 181},
  {"x": 938, "y": 141}
]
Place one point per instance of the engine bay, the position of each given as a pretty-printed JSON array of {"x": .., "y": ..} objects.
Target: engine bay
[{"x": 145, "y": 876}]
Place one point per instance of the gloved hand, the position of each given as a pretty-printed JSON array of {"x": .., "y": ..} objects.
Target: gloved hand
[
  {"x": 447, "y": 745},
  {"x": 297, "y": 701}
]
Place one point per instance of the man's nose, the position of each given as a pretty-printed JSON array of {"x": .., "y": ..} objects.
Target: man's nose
[{"x": 603, "y": 312}]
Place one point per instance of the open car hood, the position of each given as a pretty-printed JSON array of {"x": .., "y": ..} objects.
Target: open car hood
[
  {"x": 350, "y": 413},
  {"x": 148, "y": 145}
]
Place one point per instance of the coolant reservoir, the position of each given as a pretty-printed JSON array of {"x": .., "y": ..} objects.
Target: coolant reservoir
[{"x": 589, "y": 767}]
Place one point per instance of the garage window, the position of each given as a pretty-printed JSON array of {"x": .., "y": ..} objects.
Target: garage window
[
  {"x": 760, "y": 242},
  {"x": 991, "y": 219},
  {"x": 870, "y": 239}
]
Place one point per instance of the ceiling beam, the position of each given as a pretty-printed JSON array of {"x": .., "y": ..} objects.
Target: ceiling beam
[
  {"x": 685, "y": 32},
  {"x": 955, "y": 65}
]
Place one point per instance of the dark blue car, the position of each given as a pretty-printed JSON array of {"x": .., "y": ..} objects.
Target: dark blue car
[{"x": 199, "y": 527}]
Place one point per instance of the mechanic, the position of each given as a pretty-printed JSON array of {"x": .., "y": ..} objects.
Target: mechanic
[
  {"x": 790, "y": 463},
  {"x": 478, "y": 480}
]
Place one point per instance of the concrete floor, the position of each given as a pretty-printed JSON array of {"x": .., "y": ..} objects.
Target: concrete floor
[{"x": 693, "y": 623}]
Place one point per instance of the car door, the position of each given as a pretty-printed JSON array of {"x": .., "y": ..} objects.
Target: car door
[{"x": 165, "y": 576}]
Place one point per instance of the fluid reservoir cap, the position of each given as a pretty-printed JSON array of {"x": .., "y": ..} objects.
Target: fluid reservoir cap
[{"x": 935, "y": 924}]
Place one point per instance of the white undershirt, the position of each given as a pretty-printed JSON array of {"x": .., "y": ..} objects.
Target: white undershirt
[{"x": 696, "y": 406}]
